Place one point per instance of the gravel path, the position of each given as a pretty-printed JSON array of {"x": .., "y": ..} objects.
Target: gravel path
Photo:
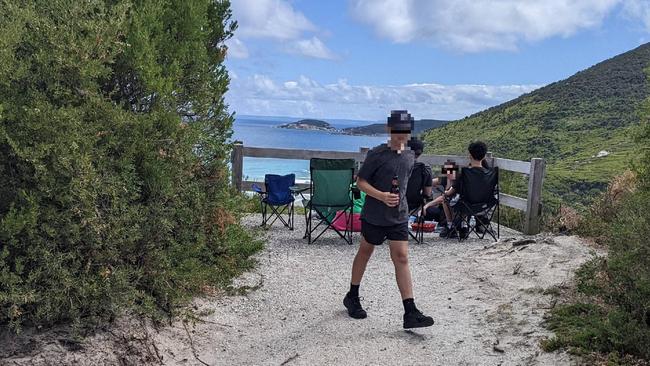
[{"x": 487, "y": 299}]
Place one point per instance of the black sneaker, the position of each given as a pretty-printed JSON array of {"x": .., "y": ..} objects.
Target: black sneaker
[
  {"x": 353, "y": 304},
  {"x": 415, "y": 319},
  {"x": 448, "y": 233},
  {"x": 464, "y": 233}
]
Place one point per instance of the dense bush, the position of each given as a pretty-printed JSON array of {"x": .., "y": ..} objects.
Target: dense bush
[
  {"x": 614, "y": 313},
  {"x": 113, "y": 140}
]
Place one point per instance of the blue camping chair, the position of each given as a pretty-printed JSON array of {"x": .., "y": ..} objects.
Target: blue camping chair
[{"x": 278, "y": 197}]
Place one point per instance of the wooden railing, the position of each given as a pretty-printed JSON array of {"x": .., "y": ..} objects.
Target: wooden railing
[{"x": 531, "y": 205}]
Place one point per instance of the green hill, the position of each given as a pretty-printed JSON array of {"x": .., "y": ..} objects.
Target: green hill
[
  {"x": 419, "y": 126},
  {"x": 568, "y": 122}
]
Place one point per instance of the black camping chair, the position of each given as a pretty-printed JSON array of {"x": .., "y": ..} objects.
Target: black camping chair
[
  {"x": 479, "y": 199},
  {"x": 416, "y": 199},
  {"x": 278, "y": 197},
  {"x": 331, "y": 192}
]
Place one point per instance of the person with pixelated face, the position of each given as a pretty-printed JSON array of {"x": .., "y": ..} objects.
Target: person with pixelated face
[
  {"x": 477, "y": 152},
  {"x": 387, "y": 168}
]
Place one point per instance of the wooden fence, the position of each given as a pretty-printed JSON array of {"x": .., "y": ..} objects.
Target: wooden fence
[{"x": 531, "y": 205}]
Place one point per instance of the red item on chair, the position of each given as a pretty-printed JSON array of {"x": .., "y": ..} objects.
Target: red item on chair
[{"x": 341, "y": 221}]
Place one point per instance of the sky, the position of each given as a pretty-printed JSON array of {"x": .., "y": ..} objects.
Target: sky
[{"x": 439, "y": 59}]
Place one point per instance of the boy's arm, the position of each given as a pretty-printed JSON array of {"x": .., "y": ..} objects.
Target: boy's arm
[
  {"x": 436, "y": 201},
  {"x": 428, "y": 191},
  {"x": 450, "y": 190},
  {"x": 390, "y": 199}
]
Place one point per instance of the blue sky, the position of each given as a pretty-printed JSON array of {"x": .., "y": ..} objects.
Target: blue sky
[{"x": 444, "y": 59}]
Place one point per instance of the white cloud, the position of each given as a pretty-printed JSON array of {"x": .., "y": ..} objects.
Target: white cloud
[
  {"x": 269, "y": 19},
  {"x": 478, "y": 25},
  {"x": 279, "y": 21},
  {"x": 313, "y": 47},
  {"x": 237, "y": 48},
  {"x": 260, "y": 95},
  {"x": 638, "y": 9}
]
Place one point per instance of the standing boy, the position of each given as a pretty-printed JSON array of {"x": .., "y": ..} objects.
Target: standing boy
[{"x": 385, "y": 216}]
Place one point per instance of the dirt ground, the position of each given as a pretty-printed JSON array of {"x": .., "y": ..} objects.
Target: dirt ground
[{"x": 488, "y": 301}]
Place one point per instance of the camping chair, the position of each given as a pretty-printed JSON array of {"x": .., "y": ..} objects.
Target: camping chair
[
  {"x": 416, "y": 199},
  {"x": 479, "y": 198},
  {"x": 330, "y": 188},
  {"x": 278, "y": 197}
]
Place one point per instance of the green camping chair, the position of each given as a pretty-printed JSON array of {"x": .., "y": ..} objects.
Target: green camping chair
[{"x": 330, "y": 188}]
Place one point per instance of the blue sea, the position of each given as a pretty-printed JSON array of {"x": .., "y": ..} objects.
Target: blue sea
[{"x": 263, "y": 132}]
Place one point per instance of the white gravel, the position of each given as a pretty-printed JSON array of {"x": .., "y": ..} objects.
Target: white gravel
[{"x": 486, "y": 299}]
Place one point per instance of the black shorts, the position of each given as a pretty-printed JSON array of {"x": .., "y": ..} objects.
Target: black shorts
[{"x": 376, "y": 235}]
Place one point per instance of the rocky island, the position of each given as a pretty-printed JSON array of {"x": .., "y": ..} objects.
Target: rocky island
[
  {"x": 374, "y": 129},
  {"x": 310, "y": 124}
]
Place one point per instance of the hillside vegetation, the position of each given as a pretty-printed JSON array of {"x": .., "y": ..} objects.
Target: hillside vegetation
[
  {"x": 568, "y": 123},
  {"x": 608, "y": 316}
]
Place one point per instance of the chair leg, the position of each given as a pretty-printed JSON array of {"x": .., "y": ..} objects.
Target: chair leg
[
  {"x": 263, "y": 205},
  {"x": 309, "y": 228},
  {"x": 306, "y": 213},
  {"x": 291, "y": 217},
  {"x": 348, "y": 228},
  {"x": 277, "y": 212},
  {"x": 498, "y": 220}
]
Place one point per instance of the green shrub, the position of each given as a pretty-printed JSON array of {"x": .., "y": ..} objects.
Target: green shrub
[
  {"x": 614, "y": 315},
  {"x": 113, "y": 146}
]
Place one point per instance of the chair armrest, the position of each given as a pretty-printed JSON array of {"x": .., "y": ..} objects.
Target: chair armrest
[
  {"x": 257, "y": 189},
  {"x": 297, "y": 189}
]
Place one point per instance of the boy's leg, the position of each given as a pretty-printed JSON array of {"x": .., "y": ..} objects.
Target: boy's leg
[
  {"x": 448, "y": 214},
  {"x": 413, "y": 318},
  {"x": 361, "y": 261},
  {"x": 448, "y": 230},
  {"x": 351, "y": 301},
  {"x": 399, "y": 256}
]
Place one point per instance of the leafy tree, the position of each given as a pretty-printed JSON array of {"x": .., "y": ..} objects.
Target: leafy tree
[{"x": 113, "y": 146}]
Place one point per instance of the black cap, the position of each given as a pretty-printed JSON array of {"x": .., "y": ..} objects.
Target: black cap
[{"x": 400, "y": 121}]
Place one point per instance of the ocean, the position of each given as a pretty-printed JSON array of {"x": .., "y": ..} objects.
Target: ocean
[{"x": 263, "y": 132}]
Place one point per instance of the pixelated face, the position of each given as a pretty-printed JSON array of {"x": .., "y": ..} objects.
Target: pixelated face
[
  {"x": 450, "y": 171},
  {"x": 398, "y": 140}
]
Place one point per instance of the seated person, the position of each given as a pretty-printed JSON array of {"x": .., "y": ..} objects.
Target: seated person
[
  {"x": 420, "y": 182},
  {"x": 477, "y": 152},
  {"x": 438, "y": 209}
]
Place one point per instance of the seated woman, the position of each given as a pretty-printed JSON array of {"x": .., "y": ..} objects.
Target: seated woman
[
  {"x": 437, "y": 210},
  {"x": 477, "y": 153}
]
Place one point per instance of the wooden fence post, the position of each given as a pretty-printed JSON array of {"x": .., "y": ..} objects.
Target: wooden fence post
[
  {"x": 237, "y": 164},
  {"x": 490, "y": 159},
  {"x": 534, "y": 206}
]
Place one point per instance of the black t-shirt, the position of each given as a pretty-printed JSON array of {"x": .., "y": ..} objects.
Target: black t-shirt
[
  {"x": 378, "y": 169},
  {"x": 481, "y": 177},
  {"x": 421, "y": 177}
]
